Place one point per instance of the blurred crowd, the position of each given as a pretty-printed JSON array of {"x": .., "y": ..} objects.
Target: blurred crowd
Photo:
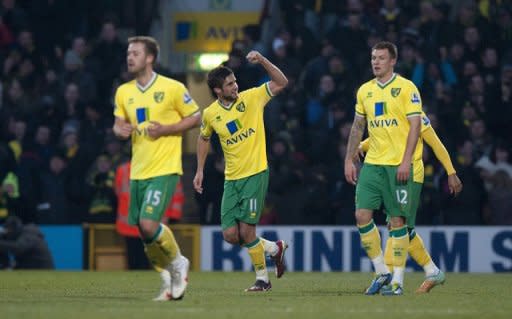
[
  {"x": 458, "y": 53},
  {"x": 61, "y": 63}
]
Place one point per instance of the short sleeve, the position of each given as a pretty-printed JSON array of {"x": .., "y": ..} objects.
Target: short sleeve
[
  {"x": 185, "y": 105},
  {"x": 259, "y": 95},
  {"x": 119, "y": 109},
  {"x": 206, "y": 129},
  {"x": 413, "y": 106},
  {"x": 359, "y": 104}
]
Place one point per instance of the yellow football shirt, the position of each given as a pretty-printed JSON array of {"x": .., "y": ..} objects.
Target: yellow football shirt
[
  {"x": 386, "y": 109},
  {"x": 163, "y": 100},
  {"x": 419, "y": 173},
  {"x": 241, "y": 131}
]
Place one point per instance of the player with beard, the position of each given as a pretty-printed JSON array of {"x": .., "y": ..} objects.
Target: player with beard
[
  {"x": 154, "y": 111},
  {"x": 237, "y": 118}
]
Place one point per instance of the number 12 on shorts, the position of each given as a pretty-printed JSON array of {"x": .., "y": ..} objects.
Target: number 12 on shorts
[{"x": 401, "y": 196}]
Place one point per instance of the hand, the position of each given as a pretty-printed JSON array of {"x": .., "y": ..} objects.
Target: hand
[
  {"x": 403, "y": 172},
  {"x": 454, "y": 184},
  {"x": 155, "y": 130},
  {"x": 350, "y": 172},
  {"x": 198, "y": 182},
  {"x": 124, "y": 130},
  {"x": 254, "y": 57},
  {"x": 360, "y": 152}
]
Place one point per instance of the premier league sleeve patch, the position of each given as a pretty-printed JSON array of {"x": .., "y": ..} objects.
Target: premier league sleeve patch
[
  {"x": 426, "y": 120},
  {"x": 187, "y": 98},
  {"x": 415, "y": 98}
]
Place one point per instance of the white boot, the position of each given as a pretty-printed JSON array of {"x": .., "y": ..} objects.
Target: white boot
[{"x": 165, "y": 291}]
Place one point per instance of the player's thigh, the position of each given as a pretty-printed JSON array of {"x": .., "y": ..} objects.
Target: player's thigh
[
  {"x": 397, "y": 196},
  {"x": 369, "y": 188},
  {"x": 253, "y": 190},
  {"x": 157, "y": 194},
  {"x": 229, "y": 207},
  {"x": 415, "y": 198},
  {"x": 137, "y": 189}
]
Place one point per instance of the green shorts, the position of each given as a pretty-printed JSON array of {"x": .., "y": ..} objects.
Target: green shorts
[
  {"x": 243, "y": 200},
  {"x": 377, "y": 185},
  {"x": 150, "y": 197}
]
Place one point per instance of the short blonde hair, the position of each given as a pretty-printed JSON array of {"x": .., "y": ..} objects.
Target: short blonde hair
[{"x": 150, "y": 44}]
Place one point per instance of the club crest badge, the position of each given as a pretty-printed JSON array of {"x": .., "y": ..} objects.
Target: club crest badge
[
  {"x": 240, "y": 107},
  {"x": 158, "y": 96}
]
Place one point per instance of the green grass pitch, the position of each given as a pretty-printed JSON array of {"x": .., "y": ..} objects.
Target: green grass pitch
[{"x": 123, "y": 295}]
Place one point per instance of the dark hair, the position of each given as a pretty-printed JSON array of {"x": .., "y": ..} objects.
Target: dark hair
[
  {"x": 217, "y": 76},
  {"x": 502, "y": 145},
  {"x": 150, "y": 44},
  {"x": 386, "y": 45}
]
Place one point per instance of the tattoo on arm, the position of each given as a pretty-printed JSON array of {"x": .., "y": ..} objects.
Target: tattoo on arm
[{"x": 356, "y": 135}]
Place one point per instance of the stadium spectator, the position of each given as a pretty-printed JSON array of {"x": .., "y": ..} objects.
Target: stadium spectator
[
  {"x": 109, "y": 52},
  {"x": 54, "y": 206},
  {"x": 101, "y": 197},
  {"x": 467, "y": 208},
  {"x": 500, "y": 199},
  {"x": 27, "y": 244}
]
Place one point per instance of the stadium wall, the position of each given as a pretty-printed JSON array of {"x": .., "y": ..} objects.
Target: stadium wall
[
  {"x": 66, "y": 246},
  {"x": 454, "y": 249}
]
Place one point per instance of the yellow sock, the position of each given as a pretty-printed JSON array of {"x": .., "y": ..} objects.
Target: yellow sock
[
  {"x": 168, "y": 243},
  {"x": 388, "y": 254},
  {"x": 156, "y": 256},
  {"x": 257, "y": 254},
  {"x": 163, "y": 249},
  {"x": 418, "y": 251},
  {"x": 370, "y": 239},
  {"x": 399, "y": 246}
]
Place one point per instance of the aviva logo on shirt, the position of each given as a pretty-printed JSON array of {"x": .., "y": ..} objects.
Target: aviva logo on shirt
[
  {"x": 233, "y": 126},
  {"x": 380, "y": 108},
  {"x": 142, "y": 114}
]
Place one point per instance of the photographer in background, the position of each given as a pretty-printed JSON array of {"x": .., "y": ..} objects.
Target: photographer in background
[{"x": 26, "y": 243}]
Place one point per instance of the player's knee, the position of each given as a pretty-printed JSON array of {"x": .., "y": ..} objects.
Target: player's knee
[
  {"x": 363, "y": 216},
  {"x": 148, "y": 228},
  {"x": 231, "y": 237},
  {"x": 397, "y": 222}
]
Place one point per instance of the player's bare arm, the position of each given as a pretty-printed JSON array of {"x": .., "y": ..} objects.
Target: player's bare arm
[
  {"x": 278, "y": 80},
  {"x": 404, "y": 169},
  {"x": 356, "y": 135},
  {"x": 203, "y": 146},
  {"x": 122, "y": 129},
  {"x": 156, "y": 129}
]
